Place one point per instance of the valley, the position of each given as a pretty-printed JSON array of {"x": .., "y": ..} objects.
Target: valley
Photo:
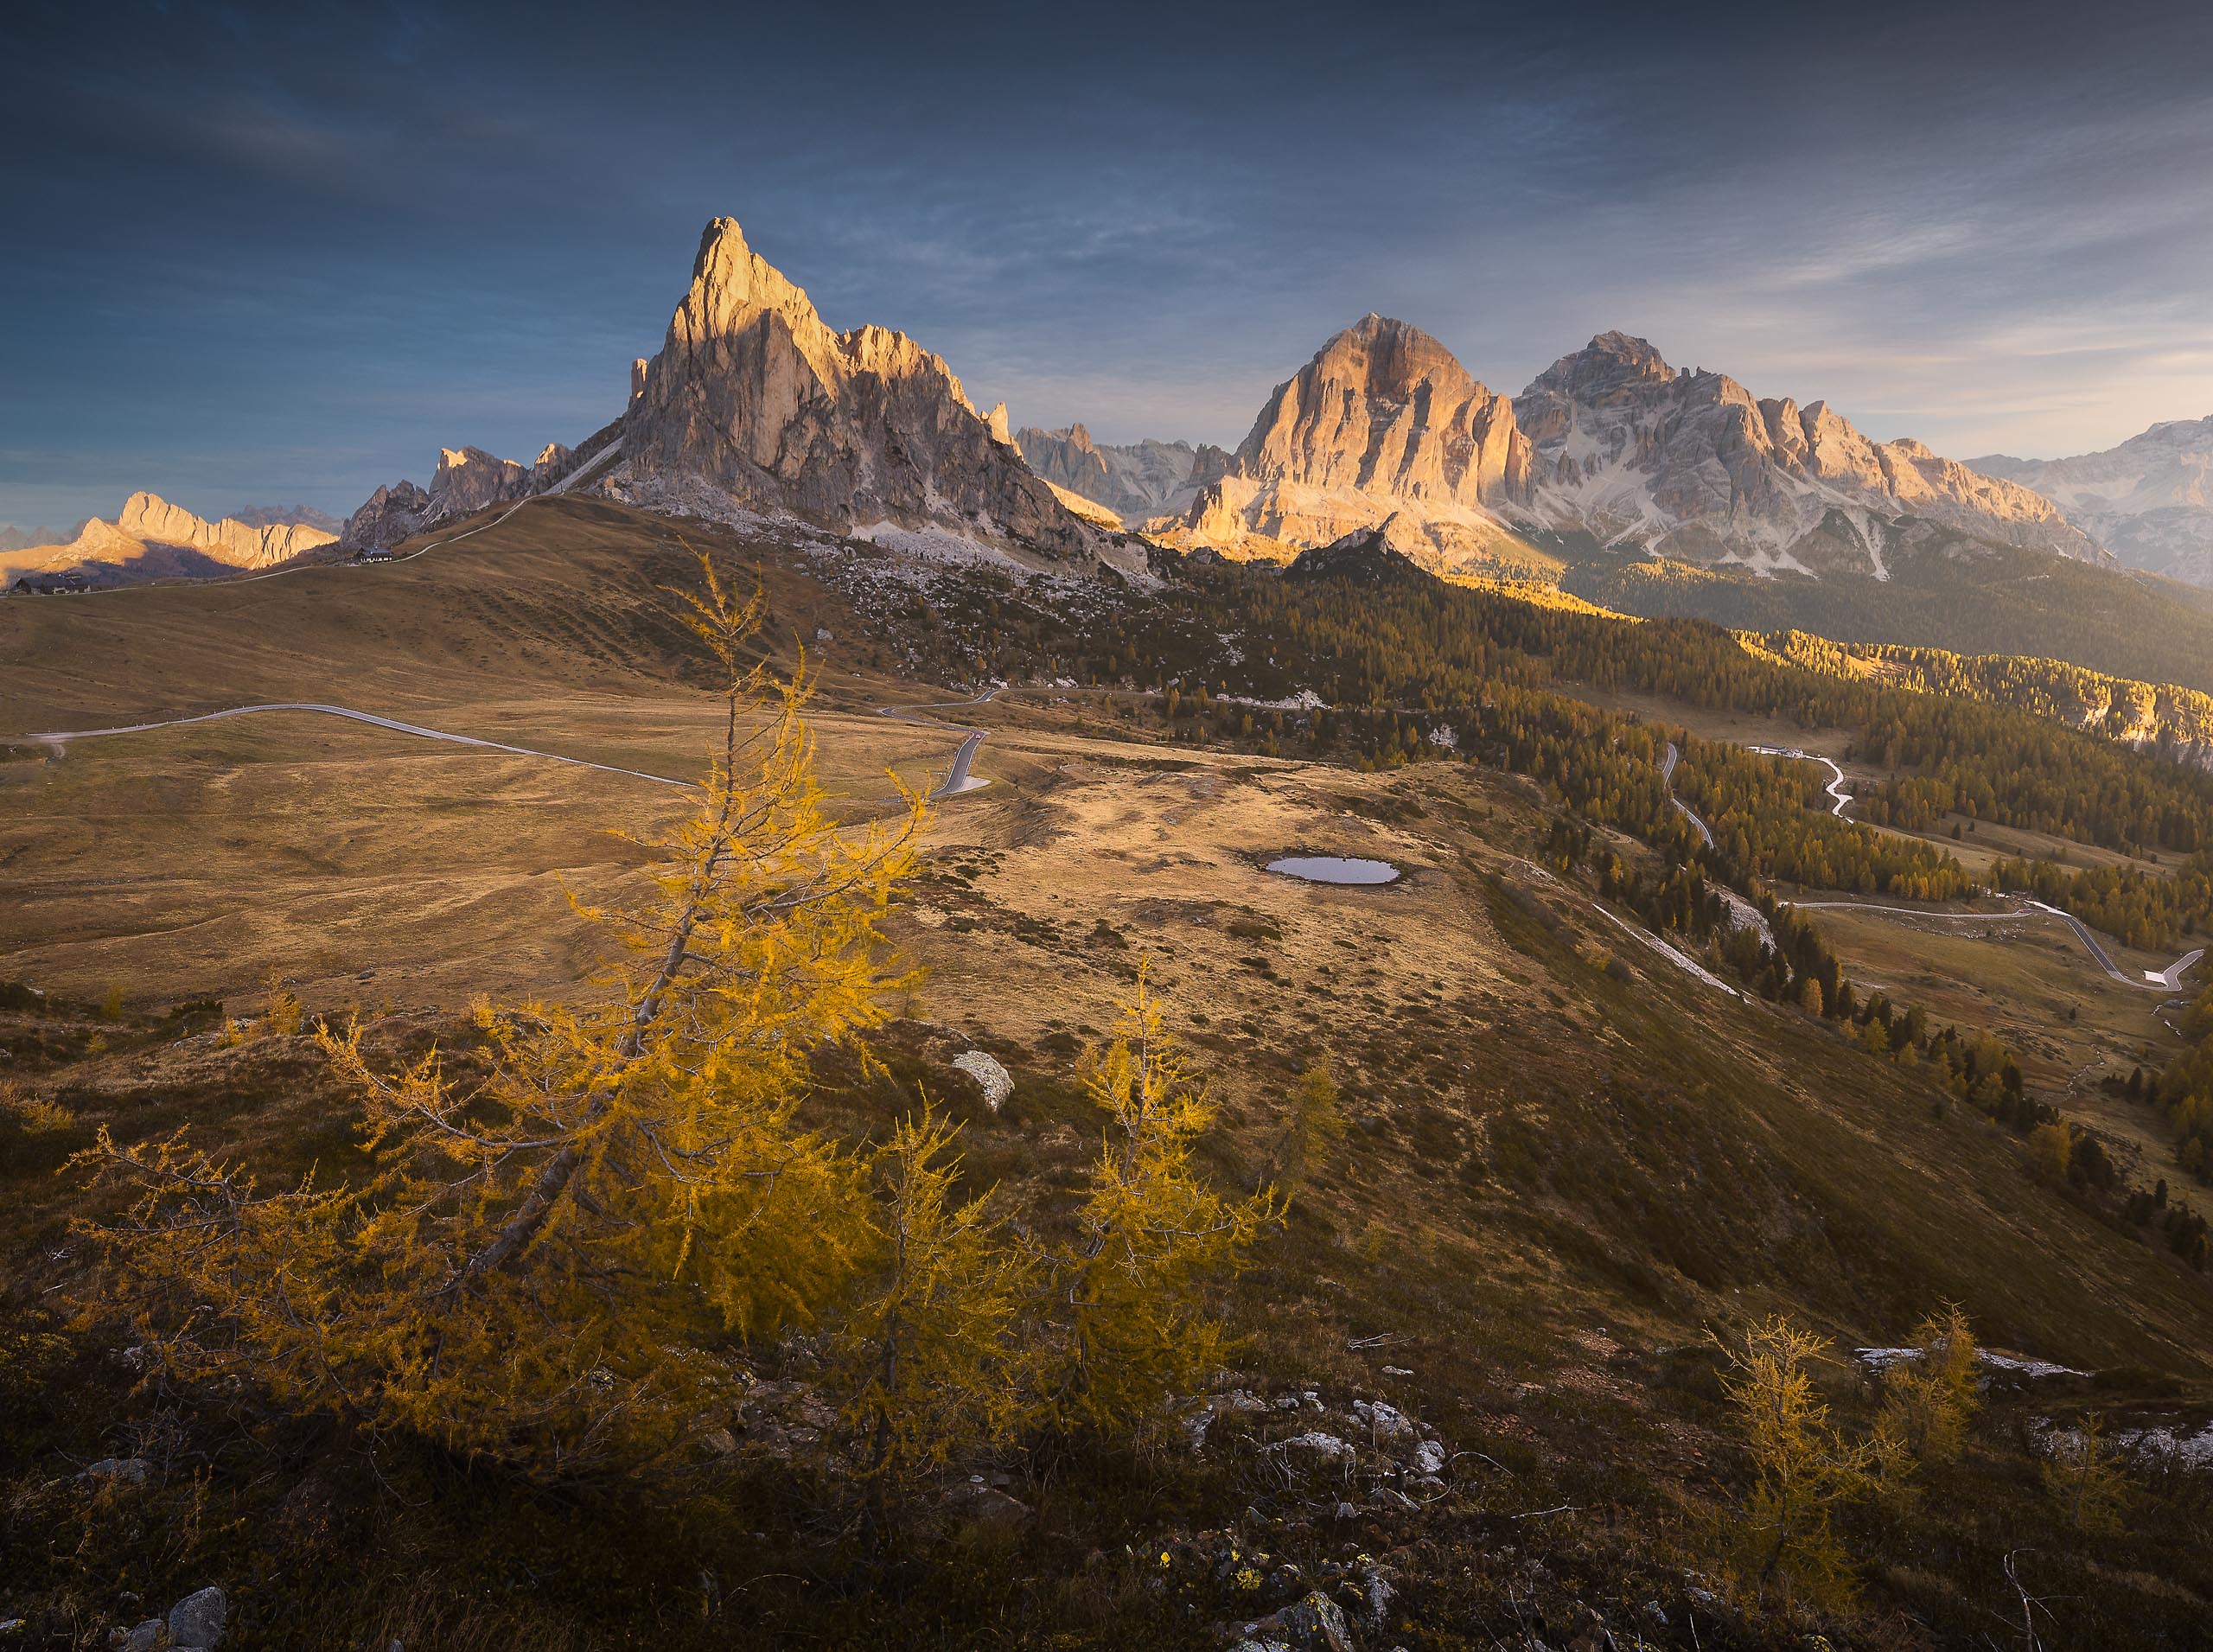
[
  {"x": 1164, "y": 832},
  {"x": 1573, "y": 1140}
]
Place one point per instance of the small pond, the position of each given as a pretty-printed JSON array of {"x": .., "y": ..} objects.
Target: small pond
[{"x": 1334, "y": 868}]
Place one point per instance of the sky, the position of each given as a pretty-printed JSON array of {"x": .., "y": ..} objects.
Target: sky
[{"x": 262, "y": 255}]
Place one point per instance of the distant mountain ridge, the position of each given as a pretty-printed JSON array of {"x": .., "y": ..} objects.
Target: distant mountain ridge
[
  {"x": 1609, "y": 440},
  {"x": 152, "y": 538},
  {"x": 467, "y": 480},
  {"x": 283, "y": 515},
  {"x": 1693, "y": 465},
  {"x": 22, "y": 538},
  {"x": 2149, "y": 501},
  {"x": 1136, "y": 481}
]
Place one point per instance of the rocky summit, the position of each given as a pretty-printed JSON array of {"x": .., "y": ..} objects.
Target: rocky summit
[
  {"x": 467, "y": 480},
  {"x": 755, "y": 400},
  {"x": 1691, "y": 464},
  {"x": 1383, "y": 422},
  {"x": 2149, "y": 501}
]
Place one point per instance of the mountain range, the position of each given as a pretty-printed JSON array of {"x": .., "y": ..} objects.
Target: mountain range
[
  {"x": 754, "y": 406},
  {"x": 2149, "y": 501},
  {"x": 1384, "y": 426}
]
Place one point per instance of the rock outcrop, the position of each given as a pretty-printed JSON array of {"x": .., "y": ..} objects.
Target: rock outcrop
[
  {"x": 1136, "y": 481},
  {"x": 1383, "y": 555},
  {"x": 2149, "y": 501},
  {"x": 1693, "y": 465},
  {"x": 396, "y": 510},
  {"x": 1383, "y": 422},
  {"x": 151, "y": 538},
  {"x": 467, "y": 480},
  {"x": 754, "y": 397}
]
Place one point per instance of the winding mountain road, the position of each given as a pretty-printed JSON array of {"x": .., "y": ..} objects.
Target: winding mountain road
[
  {"x": 1838, "y": 796},
  {"x": 59, "y": 740},
  {"x": 958, "y": 781},
  {"x": 2167, "y": 980},
  {"x": 1668, "y": 779}
]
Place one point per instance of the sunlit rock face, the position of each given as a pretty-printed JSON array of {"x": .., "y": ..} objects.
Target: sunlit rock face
[
  {"x": 1691, "y": 464},
  {"x": 1384, "y": 422},
  {"x": 753, "y": 395},
  {"x": 2149, "y": 501},
  {"x": 152, "y": 538}
]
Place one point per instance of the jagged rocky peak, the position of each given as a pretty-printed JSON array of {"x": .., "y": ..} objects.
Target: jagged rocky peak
[
  {"x": 1385, "y": 407},
  {"x": 1607, "y": 364},
  {"x": 754, "y": 398},
  {"x": 469, "y": 479},
  {"x": 1384, "y": 421},
  {"x": 1691, "y": 464},
  {"x": 396, "y": 510},
  {"x": 1384, "y": 554}
]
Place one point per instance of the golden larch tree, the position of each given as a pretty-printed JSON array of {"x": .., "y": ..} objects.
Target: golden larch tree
[
  {"x": 538, "y": 1254},
  {"x": 1929, "y": 1397},
  {"x": 1803, "y": 1470},
  {"x": 1151, "y": 1237},
  {"x": 939, "y": 1352}
]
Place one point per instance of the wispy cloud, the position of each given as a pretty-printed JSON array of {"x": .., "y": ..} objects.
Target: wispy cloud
[{"x": 290, "y": 249}]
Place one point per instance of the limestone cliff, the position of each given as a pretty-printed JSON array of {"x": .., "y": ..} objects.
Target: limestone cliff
[
  {"x": 1383, "y": 422},
  {"x": 1693, "y": 465},
  {"x": 753, "y": 396}
]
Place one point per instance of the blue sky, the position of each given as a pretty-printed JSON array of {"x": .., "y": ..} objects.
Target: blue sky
[{"x": 269, "y": 254}]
